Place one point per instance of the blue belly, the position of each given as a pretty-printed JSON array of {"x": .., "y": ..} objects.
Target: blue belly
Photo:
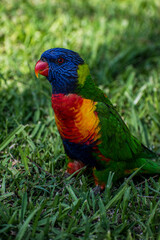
[{"x": 80, "y": 152}]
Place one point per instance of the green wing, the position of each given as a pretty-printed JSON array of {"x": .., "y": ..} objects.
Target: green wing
[{"x": 117, "y": 142}]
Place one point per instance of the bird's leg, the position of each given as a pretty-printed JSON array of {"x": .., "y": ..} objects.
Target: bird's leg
[
  {"x": 100, "y": 186},
  {"x": 74, "y": 166}
]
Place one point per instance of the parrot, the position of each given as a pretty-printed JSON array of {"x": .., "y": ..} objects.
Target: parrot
[{"x": 92, "y": 131}]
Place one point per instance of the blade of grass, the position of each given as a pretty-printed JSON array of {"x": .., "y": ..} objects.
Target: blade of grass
[
  {"x": 11, "y": 136},
  {"x": 24, "y": 227}
]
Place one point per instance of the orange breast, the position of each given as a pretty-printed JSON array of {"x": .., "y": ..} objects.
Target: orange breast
[{"x": 76, "y": 118}]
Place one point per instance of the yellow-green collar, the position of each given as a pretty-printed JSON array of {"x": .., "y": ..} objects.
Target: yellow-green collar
[{"x": 83, "y": 72}]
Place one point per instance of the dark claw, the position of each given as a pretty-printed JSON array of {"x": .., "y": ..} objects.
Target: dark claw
[
  {"x": 97, "y": 190},
  {"x": 66, "y": 175}
]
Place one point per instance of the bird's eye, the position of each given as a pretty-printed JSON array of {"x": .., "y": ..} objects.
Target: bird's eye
[
  {"x": 43, "y": 59},
  {"x": 60, "y": 60}
]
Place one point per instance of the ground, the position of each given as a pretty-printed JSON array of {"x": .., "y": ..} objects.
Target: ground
[{"x": 120, "y": 40}]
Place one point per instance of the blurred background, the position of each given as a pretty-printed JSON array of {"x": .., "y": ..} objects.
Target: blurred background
[{"x": 120, "y": 40}]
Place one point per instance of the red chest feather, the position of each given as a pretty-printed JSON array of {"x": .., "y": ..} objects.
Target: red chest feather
[{"x": 76, "y": 118}]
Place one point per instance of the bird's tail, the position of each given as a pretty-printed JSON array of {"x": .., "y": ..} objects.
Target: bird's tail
[{"x": 148, "y": 166}]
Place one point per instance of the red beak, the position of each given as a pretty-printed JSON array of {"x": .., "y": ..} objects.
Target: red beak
[{"x": 41, "y": 68}]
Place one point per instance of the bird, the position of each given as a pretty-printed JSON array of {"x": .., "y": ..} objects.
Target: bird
[{"x": 92, "y": 131}]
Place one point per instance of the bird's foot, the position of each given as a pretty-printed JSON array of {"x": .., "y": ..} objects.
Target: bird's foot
[
  {"x": 75, "y": 166},
  {"x": 66, "y": 174},
  {"x": 98, "y": 190}
]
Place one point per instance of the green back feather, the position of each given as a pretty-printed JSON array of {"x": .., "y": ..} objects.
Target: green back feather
[{"x": 117, "y": 141}]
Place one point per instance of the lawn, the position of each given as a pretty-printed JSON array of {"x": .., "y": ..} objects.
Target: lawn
[{"x": 120, "y": 40}]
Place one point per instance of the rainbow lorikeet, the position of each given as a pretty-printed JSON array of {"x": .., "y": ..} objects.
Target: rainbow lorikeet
[{"x": 91, "y": 129}]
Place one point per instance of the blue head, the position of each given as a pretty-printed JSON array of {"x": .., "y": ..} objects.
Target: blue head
[{"x": 60, "y": 67}]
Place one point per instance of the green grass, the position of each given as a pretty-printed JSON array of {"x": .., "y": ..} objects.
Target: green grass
[{"x": 120, "y": 41}]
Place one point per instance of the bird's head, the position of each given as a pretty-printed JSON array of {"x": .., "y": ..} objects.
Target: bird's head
[{"x": 63, "y": 68}]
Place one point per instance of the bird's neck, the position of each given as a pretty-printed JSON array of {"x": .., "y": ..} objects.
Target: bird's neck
[{"x": 89, "y": 90}]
